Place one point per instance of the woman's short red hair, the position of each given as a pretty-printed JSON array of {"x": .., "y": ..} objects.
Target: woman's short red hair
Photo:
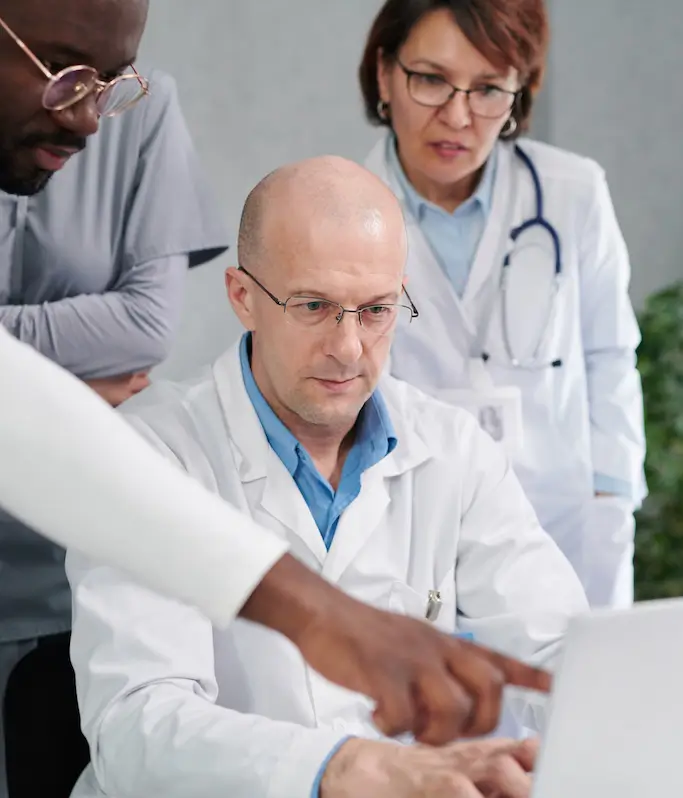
[{"x": 509, "y": 33}]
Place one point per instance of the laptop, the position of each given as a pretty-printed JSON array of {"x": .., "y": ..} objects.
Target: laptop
[{"x": 615, "y": 723}]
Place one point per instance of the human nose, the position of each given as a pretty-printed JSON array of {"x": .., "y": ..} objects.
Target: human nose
[
  {"x": 343, "y": 342},
  {"x": 456, "y": 111},
  {"x": 139, "y": 382},
  {"x": 82, "y": 118}
]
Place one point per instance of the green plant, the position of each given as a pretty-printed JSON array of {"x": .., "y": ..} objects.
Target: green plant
[{"x": 659, "y": 537}]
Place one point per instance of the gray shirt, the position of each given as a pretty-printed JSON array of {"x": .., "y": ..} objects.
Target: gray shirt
[{"x": 91, "y": 275}]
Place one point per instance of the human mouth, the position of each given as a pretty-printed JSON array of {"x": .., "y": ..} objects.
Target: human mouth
[
  {"x": 448, "y": 150},
  {"x": 336, "y": 386},
  {"x": 52, "y": 159}
]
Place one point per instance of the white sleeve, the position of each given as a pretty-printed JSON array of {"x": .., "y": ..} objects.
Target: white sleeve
[
  {"x": 147, "y": 694},
  {"x": 76, "y": 472},
  {"x": 611, "y": 337},
  {"x": 516, "y": 590}
]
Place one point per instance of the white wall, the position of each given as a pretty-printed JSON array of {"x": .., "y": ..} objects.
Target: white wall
[
  {"x": 261, "y": 83},
  {"x": 615, "y": 93},
  {"x": 267, "y": 82}
]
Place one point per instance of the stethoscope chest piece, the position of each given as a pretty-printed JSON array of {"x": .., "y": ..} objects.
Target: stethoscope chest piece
[{"x": 531, "y": 244}]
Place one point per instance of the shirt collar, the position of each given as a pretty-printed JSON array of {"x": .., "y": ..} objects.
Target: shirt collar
[
  {"x": 376, "y": 433},
  {"x": 482, "y": 197},
  {"x": 375, "y": 429},
  {"x": 279, "y": 437}
]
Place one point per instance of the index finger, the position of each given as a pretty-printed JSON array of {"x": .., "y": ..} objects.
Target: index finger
[{"x": 515, "y": 672}]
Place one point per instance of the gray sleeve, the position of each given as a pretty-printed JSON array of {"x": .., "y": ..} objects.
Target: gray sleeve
[
  {"x": 173, "y": 210},
  {"x": 129, "y": 328}
]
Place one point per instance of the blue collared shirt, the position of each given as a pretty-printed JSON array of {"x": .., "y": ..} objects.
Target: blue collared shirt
[
  {"x": 375, "y": 439},
  {"x": 453, "y": 237}
]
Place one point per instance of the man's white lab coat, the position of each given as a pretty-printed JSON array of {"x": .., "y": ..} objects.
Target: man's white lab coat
[{"x": 174, "y": 708}]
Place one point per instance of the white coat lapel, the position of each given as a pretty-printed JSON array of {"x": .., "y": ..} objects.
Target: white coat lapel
[
  {"x": 368, "y": 514},
  {"x": 282, "y": 499},
  {"x": 257, "y": 462},
  {"x": 426, "y": 278},
  {"x": 359, "y": 522},
  {"x": 464, "y": 316}
]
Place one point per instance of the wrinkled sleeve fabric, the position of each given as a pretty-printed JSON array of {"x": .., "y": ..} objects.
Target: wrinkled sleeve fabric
[
  {"x": 76, "y": 472},
  {"x": 173, "y": 209},
  {"x": 610, "y": 338},
  {"x": 147, "y": 693},
  {"x": 532, "y": 590},
  {"x": 127, "y": 329},
  {"x": 146, "y": 675}
]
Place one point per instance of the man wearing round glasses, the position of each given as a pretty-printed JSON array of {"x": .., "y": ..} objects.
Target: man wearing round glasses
[
  {"x": 102, "y": 208},
  {"x": 52, "y": 103},
  {"x": 399, "y": 500}
]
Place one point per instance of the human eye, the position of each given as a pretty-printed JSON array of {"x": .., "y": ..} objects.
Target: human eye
[
  {"x": 309, "y": 304},
  {"x": 490, "y": 90},
  {"x": 377, "y": 310},
  {"x": 429, "y": 78},
  {"x": 310, "y": 310},
  {"x": 54, "y": 66},
  {"x": 107, "y": 77},
  {"x": 378, "y": 316}
]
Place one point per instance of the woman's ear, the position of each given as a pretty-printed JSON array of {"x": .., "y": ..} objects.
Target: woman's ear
[{"x": 383, "y": 75}]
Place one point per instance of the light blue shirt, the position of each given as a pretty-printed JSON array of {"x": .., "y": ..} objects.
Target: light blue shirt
[
  {"x": 453, "y": 237},
  {"x": 375, "y": 439}
]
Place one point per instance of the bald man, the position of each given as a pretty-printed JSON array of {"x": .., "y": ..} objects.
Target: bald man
[{"x": 400, "y": 501}]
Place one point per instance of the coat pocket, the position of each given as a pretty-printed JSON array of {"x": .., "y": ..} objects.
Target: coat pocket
[{"x": 405, "y": 600}]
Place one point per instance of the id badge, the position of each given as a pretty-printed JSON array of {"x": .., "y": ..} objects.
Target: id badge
[{"x": 497, "y": 408}]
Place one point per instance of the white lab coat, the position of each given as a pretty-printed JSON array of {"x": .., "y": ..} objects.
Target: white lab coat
[
  {"x": 174, "y": 708},
  {"x": 583, "y": 418}
]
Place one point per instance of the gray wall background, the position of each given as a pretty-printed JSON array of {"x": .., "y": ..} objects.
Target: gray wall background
[
  {"x": 267, "y": 82},
  {"x": 616, "y": 94},
  {"x": 261, "y": 83}
]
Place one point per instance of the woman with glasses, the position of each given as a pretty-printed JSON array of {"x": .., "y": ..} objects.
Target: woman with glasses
[{"x": 518, "y": 267}]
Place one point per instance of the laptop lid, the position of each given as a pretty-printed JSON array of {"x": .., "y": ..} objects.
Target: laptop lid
[{"x": 615, "y": 722}]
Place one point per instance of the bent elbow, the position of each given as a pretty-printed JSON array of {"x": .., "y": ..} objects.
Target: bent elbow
[{"x": 153, "y": 339}]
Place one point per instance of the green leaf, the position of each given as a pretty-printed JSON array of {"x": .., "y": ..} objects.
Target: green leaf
[{"x": 659, "y": 538}]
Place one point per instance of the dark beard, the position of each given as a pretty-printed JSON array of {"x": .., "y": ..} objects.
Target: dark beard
[
  {"x": 29, "y": 181},
  {"x": 20, "y": 185}
]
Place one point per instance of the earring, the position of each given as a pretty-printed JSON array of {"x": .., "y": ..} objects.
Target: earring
[
  {"x": 383, "y": 110},
  {"x": 510, "y": 127}
]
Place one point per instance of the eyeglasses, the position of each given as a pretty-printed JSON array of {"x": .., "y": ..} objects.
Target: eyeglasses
[
  {"x": 433, "y": 91},
  {"x": 73, "y": 84},
  {"x": 314, "y": 312}
]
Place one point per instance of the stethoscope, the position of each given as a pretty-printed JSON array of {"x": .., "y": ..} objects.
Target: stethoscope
[{"x": 534, "y": 362}]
